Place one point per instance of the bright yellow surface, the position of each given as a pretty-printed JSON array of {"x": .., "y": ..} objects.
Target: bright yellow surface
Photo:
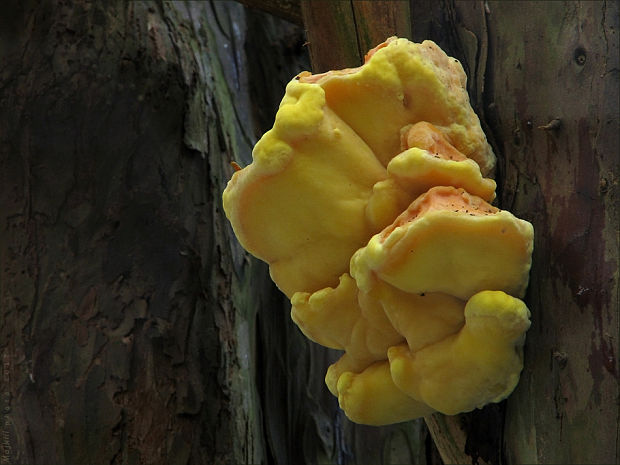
[
  {"x": 329, "y": 315},
  {"x": 422, "y": 319},
  {"x": 301, "y": 205},
  {"x": 404, "y": 83},
  {"x": 417, "y": 170},
  {"x": 387, "y": 200},
  {"x": 369, "y": 203},
  {"x": 372, "y": 398},
  {"x": 453, "y": 252},
  {"x": 347, "y": 319},
  {"x": 318, "y": 187},
  {"x": 480, "y": 364}
]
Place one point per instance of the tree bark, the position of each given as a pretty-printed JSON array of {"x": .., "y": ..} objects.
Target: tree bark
[
  {"x": 129, "y": 310},
  {"x": 340, "y": 33},
  {"x": 542, "y": 77}
]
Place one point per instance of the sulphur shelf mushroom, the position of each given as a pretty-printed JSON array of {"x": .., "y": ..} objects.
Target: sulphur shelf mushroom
[
  {"x": 370, "y": 201},
  {"x": 319, "y": 186}
]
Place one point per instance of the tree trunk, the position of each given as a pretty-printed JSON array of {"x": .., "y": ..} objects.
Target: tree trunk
[
  {"x": 543, "y": 77},
  {"x": 134, "y": 329},
  {"x": 129, "y": 311}
]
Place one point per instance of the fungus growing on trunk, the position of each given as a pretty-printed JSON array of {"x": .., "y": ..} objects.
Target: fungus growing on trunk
[
  {"x": 478, "y": 365},
  {"x": 451, "y": 242},
  {"x": 368, "y": 199}
]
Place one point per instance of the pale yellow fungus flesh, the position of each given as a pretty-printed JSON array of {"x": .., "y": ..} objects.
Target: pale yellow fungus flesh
[
  {"x": 478, "y": 365},
  {"x": 451, "y": 242},
  {"x": 372, "y": 398},
  {"x": 370, "y": 201}
]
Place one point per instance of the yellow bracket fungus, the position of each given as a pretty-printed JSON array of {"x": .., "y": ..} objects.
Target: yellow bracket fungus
[
  {"x": 452, "y": 242},
  {"x": 372, "y": 398},
  {"x": 479, "y": 364},
  {"x": 369, "y": 200}
]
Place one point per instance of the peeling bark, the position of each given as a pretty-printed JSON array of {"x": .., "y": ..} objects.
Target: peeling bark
[{"x": 128, "y": 309}]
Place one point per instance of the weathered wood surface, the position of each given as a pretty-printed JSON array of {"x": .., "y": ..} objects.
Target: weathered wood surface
[
  {"x": 565, "y": 180},
  {"x": 543, "y": 77},
  {"x": 531, "y": 63},
  {"x": 128, "y": 311},
  {"x": 340, "y": 33},
  {"x": 289, "y": 10}
]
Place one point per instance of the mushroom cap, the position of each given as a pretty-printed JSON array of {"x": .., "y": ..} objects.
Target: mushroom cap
[
  {"x": 347, "y": 319},
  {"x": 478, "y": 365},
  {"x": 451, "y": 242},
  {"x": 328, "y": 316},
  {"x": 422, "y": 319},
  {"x": 366, "y": 325},
  {"x": 372, "y": 398},
  {"x": 403, "y": 83},
  {"x": 318, "y": 187},
  {"x": 431, "y": 160},
  {"x": 300, "y": 205}
]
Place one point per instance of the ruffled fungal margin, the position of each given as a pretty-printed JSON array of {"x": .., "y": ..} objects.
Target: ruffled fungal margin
[{"x": 369, "y": 200}]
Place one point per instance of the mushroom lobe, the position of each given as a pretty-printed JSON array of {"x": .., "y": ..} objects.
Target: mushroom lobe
[{"x": 451, "y": 242}]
